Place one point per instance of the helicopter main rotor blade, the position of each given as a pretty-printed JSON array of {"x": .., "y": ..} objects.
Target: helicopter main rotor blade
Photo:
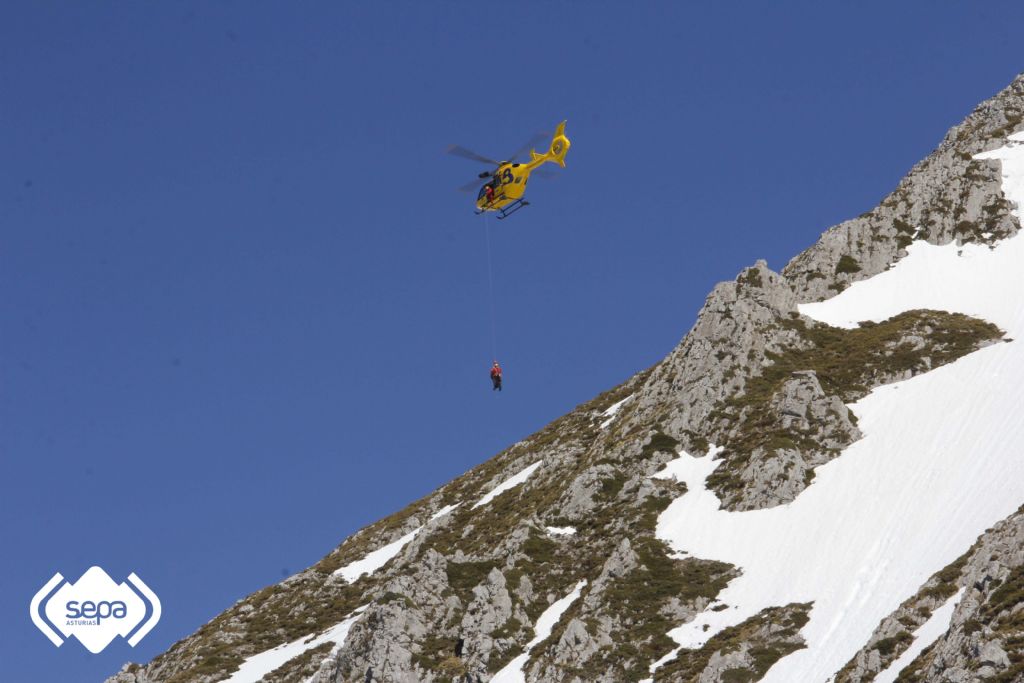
[
  {"x": 543, "y": 173},
  {"x": 532, "y": 143},
  {"x": 460, "y": 151},
  {"x": 472, "y": 186}
]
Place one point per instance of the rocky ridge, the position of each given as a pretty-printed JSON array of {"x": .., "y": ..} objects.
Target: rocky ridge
[{"x": 460, "y": 599}]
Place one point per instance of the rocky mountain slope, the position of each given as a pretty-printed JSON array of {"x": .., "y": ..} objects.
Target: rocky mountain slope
[{"x": 822, "y": 478}]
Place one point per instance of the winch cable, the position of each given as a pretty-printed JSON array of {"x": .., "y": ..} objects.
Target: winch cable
[{"x": 490, "y": 284}]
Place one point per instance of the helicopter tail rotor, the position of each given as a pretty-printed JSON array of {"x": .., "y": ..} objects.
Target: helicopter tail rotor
[{"x": 559, "y": 146}]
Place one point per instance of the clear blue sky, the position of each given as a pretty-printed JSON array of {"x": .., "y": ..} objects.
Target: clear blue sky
[{"x": 243, "y": 311}]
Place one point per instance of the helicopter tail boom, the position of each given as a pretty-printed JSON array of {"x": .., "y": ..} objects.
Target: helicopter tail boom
[{"x": 556, "y": 153}]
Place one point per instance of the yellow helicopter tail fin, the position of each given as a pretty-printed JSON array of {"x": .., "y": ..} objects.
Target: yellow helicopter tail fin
[{"x": 556, "y": 153}]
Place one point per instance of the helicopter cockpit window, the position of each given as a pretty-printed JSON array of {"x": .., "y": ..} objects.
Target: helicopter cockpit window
[{"x": 483, "y": 192}]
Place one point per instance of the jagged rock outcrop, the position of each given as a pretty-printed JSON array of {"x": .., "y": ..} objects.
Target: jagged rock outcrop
[
  {"x": 947, "y": 196},
  {"x": 461, "y": 599},
  {"x": 735, "y": 330}
]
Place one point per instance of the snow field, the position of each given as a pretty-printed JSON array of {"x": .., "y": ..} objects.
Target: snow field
[{"x": 938, "y": 465}]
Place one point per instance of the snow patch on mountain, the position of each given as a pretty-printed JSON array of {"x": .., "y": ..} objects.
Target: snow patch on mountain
[
  {"x": 612, "y": 411},
  {"x": 938, "y": 465},
  {"x": 378, "y": 558},
  {"x": 1012, "y": 157},
  {"x": 929, "y": 632},
  {"x": 375, "y": 560},
  {"x": 974, "y": 279},
  {"x": 509, "y": 483},
  {"x": 443, "y": 511},
  {"x": 513, "y": 671},
  {"x": 256, "y": 667}
]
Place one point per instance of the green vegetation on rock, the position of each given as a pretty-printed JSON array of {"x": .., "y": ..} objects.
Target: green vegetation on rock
[
  {"x": 765, "y": 638},
  {"x": 847, "y": 364}
]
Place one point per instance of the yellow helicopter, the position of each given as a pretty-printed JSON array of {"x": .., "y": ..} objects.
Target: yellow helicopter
[{"x": 503, "y": 193}]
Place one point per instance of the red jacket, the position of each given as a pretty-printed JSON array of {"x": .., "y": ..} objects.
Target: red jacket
[{"x": 496, "y": 371}]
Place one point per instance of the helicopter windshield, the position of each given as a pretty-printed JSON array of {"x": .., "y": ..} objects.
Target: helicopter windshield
[{"x": 483, "y": 192}]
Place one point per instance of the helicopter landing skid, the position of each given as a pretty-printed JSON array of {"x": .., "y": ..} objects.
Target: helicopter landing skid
[
  {"x": 512, "y": 208},
  {"x": 506, "y": 211}
]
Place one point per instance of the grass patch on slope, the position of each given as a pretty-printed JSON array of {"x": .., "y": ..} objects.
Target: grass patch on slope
[
  {"x": 768, "y": 636},
  {"x": 848, "y": 364}
]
